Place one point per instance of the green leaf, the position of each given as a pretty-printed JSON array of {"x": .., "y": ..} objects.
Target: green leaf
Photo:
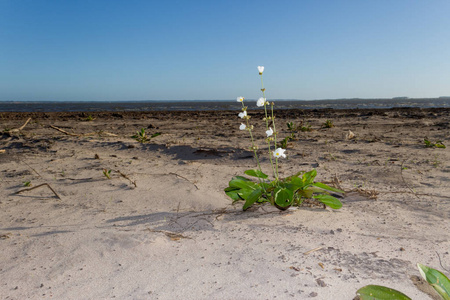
[
  {"x": 327, "y": 187},
  {"x": 245, "y": 193},
  {"x": 255, "y": 195},
  {"x": 256, "y": 173},
  {"x": 283, "y": 197},
  {"x": 378, "y": 292},
  {"x": 230, "y": 188},
  {"x": 307, "y": 193},
  {"x": 232, "y": 193},
  {"x": 297, "y": 183},
  {"x": 241, "y": 178},
  {"x": 329, "y": 201},
  {"x": 243, "y": 184},
  {"x": 308, "y": 177},
  {"x": 439, "y": 281},
  {"x": 155, "y": 134}
]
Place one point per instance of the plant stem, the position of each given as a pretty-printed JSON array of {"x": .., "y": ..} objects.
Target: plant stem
[
  {"x": 267, "y": 128},
  {"x": 254, "y": 148},
  {"x": 275, "y": 139}
]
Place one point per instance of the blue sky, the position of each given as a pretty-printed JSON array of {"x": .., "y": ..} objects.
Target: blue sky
[{"x": 206, "y": 50}]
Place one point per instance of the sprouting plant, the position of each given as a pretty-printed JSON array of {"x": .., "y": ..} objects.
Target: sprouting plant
[
  {"x": 429, "y": 144},
  {"x": 142, "y": 137},
  {"x": 89, "y": 118},
  {"x": 280, "y": 192},
  {"x": 328, "y": 124},
  {"x": 27, "y": 183},
  {"x": 284, "y": 142},
  {"x": 107, "y": 173},
  {"x": 305, "y": 126},
  {"x": 291, "y": 127},
  {"x": 436, "y": 279}
]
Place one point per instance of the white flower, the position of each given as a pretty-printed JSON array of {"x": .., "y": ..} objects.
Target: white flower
[
  {"x": 279, "y": 153},
  {"x": 260, "y": 69},
  {"x": 269, "y": 132},
  {"x": 242, "y": 127},
  {"x": 240, "y": 99},
  {"x": 243, "y": 114},
  {"x": 261, "y": 101}
]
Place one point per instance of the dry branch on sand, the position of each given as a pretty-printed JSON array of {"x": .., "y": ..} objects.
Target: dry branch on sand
[
  {"x": 83, "y": 134},
  {"x": 35, "y": 187}
]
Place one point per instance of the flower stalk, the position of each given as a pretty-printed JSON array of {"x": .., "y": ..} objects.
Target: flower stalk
[{"x": 264, "y": 101}]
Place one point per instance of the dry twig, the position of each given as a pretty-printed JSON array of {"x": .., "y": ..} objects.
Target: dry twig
[
  {"x": 404, "y": 181},
  {"x": 20, "y": 128},
  {"x": 35, "y": 187},
  {"x": 313, "y": 250},
  {"x": 126, "y": 177},
  {"x": 172, "y": 235},
  {"x": 184, "y": 179},
  {"x": 65, "y": 132},
  {"x": 85, "y": 134}
]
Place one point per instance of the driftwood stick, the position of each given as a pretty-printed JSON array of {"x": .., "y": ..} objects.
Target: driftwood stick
[
  {"x": 63, "y": 131},
  {"x": 85, "y": 134},
  {"x": 313, "y": 250},
  {"x": 20, "y": 128},
  {"x": 35, "y": 187},
  {"x": 106, "y": 133}
]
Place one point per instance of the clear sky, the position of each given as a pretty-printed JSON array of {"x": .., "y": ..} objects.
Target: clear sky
[{"x": 207, "y": 50}]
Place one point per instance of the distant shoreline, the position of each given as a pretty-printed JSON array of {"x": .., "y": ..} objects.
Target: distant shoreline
[{"x": 215, "y": 105}]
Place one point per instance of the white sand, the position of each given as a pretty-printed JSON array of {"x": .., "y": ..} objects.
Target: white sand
[{"x": 176, "y": 236}]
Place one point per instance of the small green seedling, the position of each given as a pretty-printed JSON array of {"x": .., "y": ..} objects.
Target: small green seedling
[
  {"x": 284, "y": 142},
  {"x": 142, "y": 137},
  {"x": 328, "y": 124},
  {"x": 107, "y": 173},
  {"x": 305, "y": 126},
  {"x": 27, "y": 183},
  {"x": 291, "y": 126},
  {"x": 89, "y": 118},
  {"x": 429, "y": 144}
]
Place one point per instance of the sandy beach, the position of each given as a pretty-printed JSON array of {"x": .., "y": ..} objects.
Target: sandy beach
[{"x": 162, "y": 227}]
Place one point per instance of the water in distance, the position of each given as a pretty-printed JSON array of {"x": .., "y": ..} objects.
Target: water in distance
[{"x": 214, "y": 105}]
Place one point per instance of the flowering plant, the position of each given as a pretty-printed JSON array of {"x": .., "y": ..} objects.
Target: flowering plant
[{"x": 280, "y": 192}]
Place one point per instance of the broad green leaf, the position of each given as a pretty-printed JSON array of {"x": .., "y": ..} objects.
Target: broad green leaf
[
  {"x": 297, "y": 183},
  {"x": 252, "y": 198},
  {"x": 241, "y": 178},
  {"x": 439, "y": 281},
  {"x": 256, "y": 173},
  {"x": 283, "y": 197},
  {"x": 243, "y": 184},
  {"x": 308, "y": 177},
  {"x": 329, "y": 201},
  {"x": 245, "y": 193},
  {"x": 230, "y": 188},
  {"x": 306, "y": 193},
  {"x": 233, "y": 194},
  {"x": 327, "y": 187},
  {"x": 378, "y": 292}
]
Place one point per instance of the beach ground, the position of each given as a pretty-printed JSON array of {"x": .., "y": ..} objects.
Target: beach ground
[{"x": 162, "y": 228}]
